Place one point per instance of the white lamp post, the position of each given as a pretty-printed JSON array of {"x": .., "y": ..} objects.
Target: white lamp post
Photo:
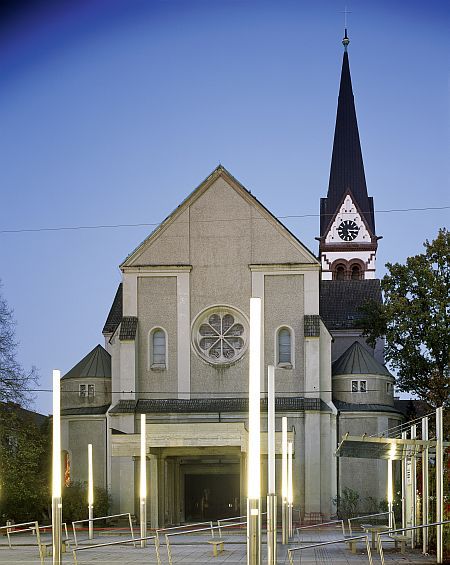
[
  {"x": 56, "y": 470},
  {"x": 254, "y": 438},
  {"x": 90, "y": 492},
  {"x": 284, "y": 532},
  {"x": 290, "y": 498},
  {"x": 143, "y": 484},
  {"x": 425, "y": 491},
  {"x": 271, "y": 495},
  {"x": 439, "y": 482}
]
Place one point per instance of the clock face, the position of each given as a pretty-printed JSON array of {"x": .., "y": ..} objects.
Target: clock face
[{"x": 348, "y": 230}]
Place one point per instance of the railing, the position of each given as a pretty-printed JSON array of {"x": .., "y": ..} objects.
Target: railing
[
  {"x": 34, "y": 528},
  {"x": 410, "y": 528},
  {"x": 220, "y": 526},
  {"x": 159, "y": 530},
  {"x": 212, "y": 528},
  {"x": 369, "y": 516},
  {"x": 50, "y": 526},
  {"x": 101, "y": 518},
  {"x": 345, "y": 540},
  {"x": 106, "y": 544},
  {"x": 320, "y": 524}
]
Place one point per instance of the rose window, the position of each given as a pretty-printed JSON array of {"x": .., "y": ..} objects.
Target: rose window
[{"x": 220, "y": 335}]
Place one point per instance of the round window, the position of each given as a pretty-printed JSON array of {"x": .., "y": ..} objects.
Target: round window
[{"x": 220, "y": 335}]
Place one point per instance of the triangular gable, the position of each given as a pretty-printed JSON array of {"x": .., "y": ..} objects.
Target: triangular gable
[
  {"x": 341, "y": 210},
  {"x": 169, "y": 222}
]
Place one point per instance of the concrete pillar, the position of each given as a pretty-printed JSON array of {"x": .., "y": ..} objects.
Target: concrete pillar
[
  {"x": 162, "y": 490},
  {"x": 154, "y": 492},
  {"x": 312, "y": 462},
  {"x": 243, "y": 483}
]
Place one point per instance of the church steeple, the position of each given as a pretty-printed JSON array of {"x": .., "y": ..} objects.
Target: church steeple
[{"x": 347, "y": 196}]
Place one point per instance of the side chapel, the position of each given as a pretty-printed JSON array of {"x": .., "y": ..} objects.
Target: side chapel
[{"x": 176, "y": 350}]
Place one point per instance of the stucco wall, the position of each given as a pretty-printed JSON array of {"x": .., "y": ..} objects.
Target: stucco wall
[
  {"x": 283, "y": 306},
  {"x": 157, "y": 307},
  {"x": 70, "y": 392},
  {"x": 80, "y": 433},
  {"x": 376, "y": 389}
]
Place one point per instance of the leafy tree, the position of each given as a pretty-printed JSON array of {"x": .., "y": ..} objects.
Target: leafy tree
[
  {"x": 415, "y": 320},
  {"x": 24, "y": 465},
  {"x": 14, "y": 380}
]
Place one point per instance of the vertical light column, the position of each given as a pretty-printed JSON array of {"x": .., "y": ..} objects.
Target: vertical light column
[
  {"x": 90, "y": 492},
  {"x": 143, "y": 482},
  {"x": 413, "y": 488},
  {"x": 290, "y": 498},
  {"x": 439, "y": 482},
  {"x": 404, "y": 481},
  {"x": 254, "y": 438},
  {"x": 271, "y": 495},
  {"x": 56, "y": 470},
  {"x": 425, "y": 490},
  {"x": 284, "y": 525},
  {"x": 390, "y": 494}
]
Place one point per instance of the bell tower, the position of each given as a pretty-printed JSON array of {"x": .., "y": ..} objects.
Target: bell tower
[{"x": 348, "y": 242}]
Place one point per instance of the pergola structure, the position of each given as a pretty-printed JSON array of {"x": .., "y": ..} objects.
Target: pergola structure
[{"x": 407, "y": 450}]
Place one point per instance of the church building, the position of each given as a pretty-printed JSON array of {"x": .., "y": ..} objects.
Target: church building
[{"x": 176, "y": 349}]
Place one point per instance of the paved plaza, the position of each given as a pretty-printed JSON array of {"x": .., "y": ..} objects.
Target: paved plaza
[{"x": 196, "y": 550}]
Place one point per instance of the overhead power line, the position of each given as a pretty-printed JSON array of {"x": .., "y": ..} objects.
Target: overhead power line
[{"x": 155, "y": 224}]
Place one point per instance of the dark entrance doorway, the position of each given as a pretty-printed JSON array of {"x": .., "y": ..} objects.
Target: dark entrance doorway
[{"x": 211, "y": 497}]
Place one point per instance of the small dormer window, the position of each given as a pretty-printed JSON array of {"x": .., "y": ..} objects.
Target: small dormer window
[
  {"x": 359, "y": 386},
  {"x": 87, "y": 391}
]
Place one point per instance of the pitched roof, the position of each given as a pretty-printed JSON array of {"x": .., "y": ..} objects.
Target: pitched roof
[
  {"x": 356, "y": 360},
  {"x": 219, "y": 171},
  {"x": 128, "y": 328},
  {"x": 115, "y": 313},
  {"x": 351, "y": 407},
  {"x": 203, "y": 405},
  {"x": 85, "y": 410},
  {"x": 347, "y": 167},
  {"x": 97, "y": 363},
  {"x": 340, "y": 301}
]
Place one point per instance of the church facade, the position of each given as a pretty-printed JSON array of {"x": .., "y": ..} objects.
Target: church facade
[{"x": 176, "y": 350}]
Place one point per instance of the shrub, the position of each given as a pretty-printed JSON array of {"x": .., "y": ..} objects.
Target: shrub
[{"x": 74, "y": 502}]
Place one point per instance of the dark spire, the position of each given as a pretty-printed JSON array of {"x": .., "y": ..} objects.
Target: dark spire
[{"x": 347, "y": 168}]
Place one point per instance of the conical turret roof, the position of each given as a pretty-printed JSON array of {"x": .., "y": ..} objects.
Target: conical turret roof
[
  {"x": 356, "y": 360},
  {"x": 96, "y": 364}
]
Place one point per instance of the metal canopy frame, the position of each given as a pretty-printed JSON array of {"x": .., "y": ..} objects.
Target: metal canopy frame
[{"x": 407, "y": 450}]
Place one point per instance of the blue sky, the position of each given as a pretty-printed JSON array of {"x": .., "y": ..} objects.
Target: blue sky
[{"x": 112, "y": 111}]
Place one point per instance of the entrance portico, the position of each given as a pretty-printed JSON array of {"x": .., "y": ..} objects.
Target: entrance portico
[{"x": 195, "y": 470}]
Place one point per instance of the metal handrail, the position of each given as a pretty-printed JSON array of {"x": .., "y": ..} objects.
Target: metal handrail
[
  {"x": 50, "y": 526},
  {"x": 219, "y": 522},
  {"x": 320, "y": 524},
  {"x": 368, "y": 516},
  {"x": 389, "y": 532},
  {"x": 157, "y": 532},
  {"x": 101, "y": 518},
  {"x": 120, "y": 542},
  {"x": 169, "y": 551},
  {"x": 345, "y": 540}
]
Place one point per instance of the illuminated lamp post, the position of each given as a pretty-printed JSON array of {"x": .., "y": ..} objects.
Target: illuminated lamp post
[
  {"x": 56, "y": 470},
  {"x": 254, "y": 438},
  {"x": 390, "y": 489},
  {"x": 90, "y": 492},
  {"x": 271, "y": 495},
  {"x": 284, "y": 525},
  {"x": 143, "y": 482},
  {"x": 290, "y": 498}
]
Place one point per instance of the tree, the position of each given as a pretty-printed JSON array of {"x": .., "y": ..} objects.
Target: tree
[
  {"x": 25, "y": 445},
  {"x": 415, "y": 320},
  {"x": 14, "y": 380}
]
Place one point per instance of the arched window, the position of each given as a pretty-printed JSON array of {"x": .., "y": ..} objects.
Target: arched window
[
  {"x": 158, "y": 349},
  {"x": 284, "y": 348},
  {"x": 340, "y": 273},
  {"x": 356, "y": 273}
]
